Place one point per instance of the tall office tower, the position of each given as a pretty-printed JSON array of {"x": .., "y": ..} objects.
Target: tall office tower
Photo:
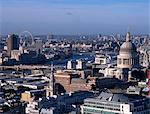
[
  {"x": 12, "y": 43},
  {"x": 50, "y": 37},
  {"x": 99, "y": 36},
  {"x": 38, "y": 46}
]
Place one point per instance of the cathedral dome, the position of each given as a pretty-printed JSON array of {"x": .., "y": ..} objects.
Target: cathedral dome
[
  {"x": 128, "y": 46},
  {"x": 128, "y": 56}
]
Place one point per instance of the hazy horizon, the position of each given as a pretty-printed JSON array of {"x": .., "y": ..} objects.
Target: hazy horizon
[{"x": 74, "y": 17}]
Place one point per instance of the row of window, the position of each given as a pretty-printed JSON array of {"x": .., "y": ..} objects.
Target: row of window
[
  {"x": 127, "y": 61},
  {"x": 104, "y": 104},
  {"x": 103, "y": 107},
  {"x": 91, "y": 111}
]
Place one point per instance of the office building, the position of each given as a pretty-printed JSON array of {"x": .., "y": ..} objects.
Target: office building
[
  {"x": 116, "y": 103},
  {"x": 80, "y": 64},
  {"x": 38, "y": 46},
  {"x": 71, "y": 64},
  {"x": 102, "y": 59},
  {"x": 12, "y": 43}
]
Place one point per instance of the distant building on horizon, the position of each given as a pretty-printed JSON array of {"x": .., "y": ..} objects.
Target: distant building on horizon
[
  {"x": 38, "y": 46},
  {"x": 12, "y": 43}
]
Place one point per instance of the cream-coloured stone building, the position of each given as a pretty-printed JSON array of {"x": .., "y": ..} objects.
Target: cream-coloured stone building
[
  {"x": 128, "y": 56},
  {"x": 127, "y": 61}
]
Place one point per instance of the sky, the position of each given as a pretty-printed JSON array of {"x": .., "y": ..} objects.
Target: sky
[{"x": 75, "y": 16}]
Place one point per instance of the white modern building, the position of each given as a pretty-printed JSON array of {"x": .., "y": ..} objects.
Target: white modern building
[
  {"x": 71, "y": 64},
  {"x": 80, "y": 64},
  {"x": 118, "y": 103},
  {"x": 102, "y": 59}
]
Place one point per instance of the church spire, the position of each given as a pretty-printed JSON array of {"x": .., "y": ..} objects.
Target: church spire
[
  {"x": 51, "y": 86},
  {"x": 52, "y": 79},
  {"x": 128, "y": 37}
]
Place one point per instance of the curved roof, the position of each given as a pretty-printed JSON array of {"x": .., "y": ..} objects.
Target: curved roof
[{"x": 128, "y": 46}]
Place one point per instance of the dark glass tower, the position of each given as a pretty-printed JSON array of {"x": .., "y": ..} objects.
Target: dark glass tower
[{"x": 12, "y": 43}]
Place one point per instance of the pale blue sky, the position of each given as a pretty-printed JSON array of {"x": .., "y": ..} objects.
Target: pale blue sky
[{"x": 74, "y": 16}]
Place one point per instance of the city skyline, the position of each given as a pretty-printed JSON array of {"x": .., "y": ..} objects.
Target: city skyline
[
  {"x": 74, "y": 17},
  {"x": 75, "y": 56}
]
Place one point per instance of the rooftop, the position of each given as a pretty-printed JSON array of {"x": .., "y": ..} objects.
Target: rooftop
[{"x": 116, "y": 97}]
